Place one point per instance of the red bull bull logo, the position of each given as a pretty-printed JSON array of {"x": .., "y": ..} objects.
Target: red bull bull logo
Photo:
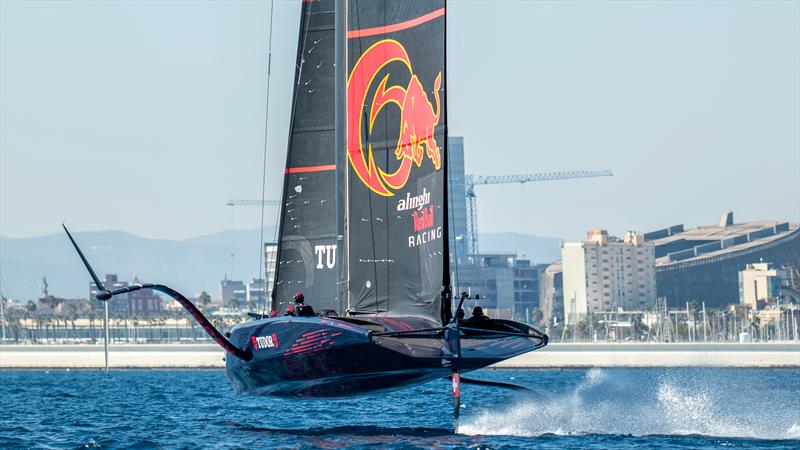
[
  {"x": 418, "y": 118},
  {"x": 423, "y": 218}
]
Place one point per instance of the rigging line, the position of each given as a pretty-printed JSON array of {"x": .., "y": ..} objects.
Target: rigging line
[
  {"x": 261, "y": 265},
  {"x": 386, "y": 127},
  {"x": 387, "y": 267},
  {"x": 365, "y": 124},
  {"x": 345, "y": 189},
  {"x": 448, "y": 175},
  {"x": 365, "y": 118}
]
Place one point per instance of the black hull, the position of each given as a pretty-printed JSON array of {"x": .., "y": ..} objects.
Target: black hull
[{"x": 322, "y": 357}]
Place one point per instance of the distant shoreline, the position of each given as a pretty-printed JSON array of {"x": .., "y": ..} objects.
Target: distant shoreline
[{"x": 554, "y": 356}]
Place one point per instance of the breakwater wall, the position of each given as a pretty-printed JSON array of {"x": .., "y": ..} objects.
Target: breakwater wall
[{"x": 560, "y": 355}]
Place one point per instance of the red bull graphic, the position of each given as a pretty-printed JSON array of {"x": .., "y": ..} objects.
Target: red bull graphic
[
  {"x": 418, "y": 119},
  {"x": 423, "y": 218}
]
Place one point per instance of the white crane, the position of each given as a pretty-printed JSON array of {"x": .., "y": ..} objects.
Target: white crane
[{"x": 470, "y": 181}]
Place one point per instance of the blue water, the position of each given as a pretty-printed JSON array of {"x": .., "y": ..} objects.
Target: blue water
[{"x": 609, "y": 408}]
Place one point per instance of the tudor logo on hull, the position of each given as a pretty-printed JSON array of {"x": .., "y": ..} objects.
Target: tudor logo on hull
[
  {"x": 418, "y": 117},
  {"x": 262, "y": 342}
]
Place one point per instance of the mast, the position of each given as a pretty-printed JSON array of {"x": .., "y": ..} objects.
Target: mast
[
  {"x": 340, "y": 123},
  {"x": 447, "y": 307}
]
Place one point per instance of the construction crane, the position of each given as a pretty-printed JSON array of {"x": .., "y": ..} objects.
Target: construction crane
[
  {"x": 240, "y": 202},
  {"x": 470, "y": 181}
]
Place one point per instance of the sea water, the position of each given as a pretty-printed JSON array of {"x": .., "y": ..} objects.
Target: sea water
[{"x": 597, "y": 408}]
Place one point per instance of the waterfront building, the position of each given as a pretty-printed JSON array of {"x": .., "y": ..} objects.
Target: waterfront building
[
  {"x": 551, "y": 294},
  {"x": 759, "y": 283},
  {"x": 508, "y": 287},
  {"x": 59, "y": 306},
  {"x": 120, "y": 303},
  {"x": 604, "y": 273},
  {"x": 233, "y": 292},
  {"x": 456, "y": 197},
  {"x": 143, "y": 301},
  {"x": 256, "y": 292},
  {"x": 702, "y": 264},
  {"x": 527, "y": 302}
]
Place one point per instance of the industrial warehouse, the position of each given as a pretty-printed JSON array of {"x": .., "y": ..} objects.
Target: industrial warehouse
[{"x": 703, "y": 263}]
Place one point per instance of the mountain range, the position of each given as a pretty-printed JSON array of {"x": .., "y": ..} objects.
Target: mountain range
[{"x": 190, "y": 265}]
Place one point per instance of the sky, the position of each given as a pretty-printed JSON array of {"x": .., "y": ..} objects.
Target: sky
[{"x": 147, "y": 116}]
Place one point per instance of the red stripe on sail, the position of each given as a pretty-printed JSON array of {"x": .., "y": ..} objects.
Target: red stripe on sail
[
  {"x": 310, "y": 169},
  {"x": 396, "y": 27}
]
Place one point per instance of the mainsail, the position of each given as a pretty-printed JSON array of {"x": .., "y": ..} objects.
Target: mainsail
[
  {"x": 307, "y": 247},
  {"x": 397, "y": 156},
  {"x": 391, "y": 233}
]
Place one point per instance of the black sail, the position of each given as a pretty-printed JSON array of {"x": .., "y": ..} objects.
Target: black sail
[
  {"x": 307, "y": 249},
  {"x": 396, "y": 133}
]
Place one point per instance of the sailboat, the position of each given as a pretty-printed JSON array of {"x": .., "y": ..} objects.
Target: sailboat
[{"x": 364, "y": 231}]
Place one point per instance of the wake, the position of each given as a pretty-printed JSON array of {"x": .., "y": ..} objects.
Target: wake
[{"x": 641, "y": 403}]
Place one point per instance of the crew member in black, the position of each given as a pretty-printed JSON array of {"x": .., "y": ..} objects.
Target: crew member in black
[
  {"x": 300, "y": 309},
  {"x": 478, "y": 319},
  {"x": 460, "y": 315}
]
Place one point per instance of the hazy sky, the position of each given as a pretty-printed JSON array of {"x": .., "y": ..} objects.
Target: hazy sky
[{"x": 147, "y": 116}]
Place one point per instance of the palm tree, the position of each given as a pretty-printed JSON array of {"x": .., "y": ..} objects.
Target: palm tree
[
  {"x": 537, "y": 316},
  {"x": 92, "y": 317},
  {"x": 234, "y": 303},
  {"x": 30, "y": 308},
  {"x": 203, "y": 299},
  {"x": 756, "y": 327},
  {"x": 127, "y": 332},
  {"x": 151, "y": 320},
  {"x": 638, "y": 326},
  {"x": 72, "y": 314}
]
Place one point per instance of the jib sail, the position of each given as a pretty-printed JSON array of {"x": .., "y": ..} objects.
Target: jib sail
[
  {"x": 396, "y": 139},
  {"x": 307, "y": 247}
]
